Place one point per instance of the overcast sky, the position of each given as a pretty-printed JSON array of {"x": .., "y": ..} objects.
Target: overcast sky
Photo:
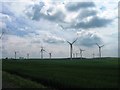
[{"x": 30, "y": 24}]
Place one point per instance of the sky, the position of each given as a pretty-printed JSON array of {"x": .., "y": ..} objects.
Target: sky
[{"x": 29, "y": 25}]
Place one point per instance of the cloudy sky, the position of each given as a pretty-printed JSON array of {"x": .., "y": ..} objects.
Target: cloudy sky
[{"x": 32, "y": 24}]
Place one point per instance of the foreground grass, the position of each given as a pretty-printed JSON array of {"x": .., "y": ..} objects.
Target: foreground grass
[
  {"x": 67, "y": 74},
  {"x": 14, "y": 81}
]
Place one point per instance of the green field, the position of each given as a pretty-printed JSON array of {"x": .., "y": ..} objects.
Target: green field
[{"x": 86, "y": 73}]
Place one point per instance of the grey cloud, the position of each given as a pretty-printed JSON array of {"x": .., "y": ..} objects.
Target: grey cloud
[
  {"x": 50, "y": 9},
  {"x": 95, "y": 22},
  {"x": 79, "y": 22},
  {"x": 36, "y": 41},
  {"x": 17, "y": 24},
  {"x": 75, "y": 6},
  {"x": 58, "y": 16},
  {"x": 89, "y": 39},
  {"x": 53, "y": 40},
  {"x": 35, "y": 13},
  {"x": 47, "y": 37},
  {"x": 86, "y": 13},
  {"x": 5, "y": 9},
  {"x": 13, "y": 25}
]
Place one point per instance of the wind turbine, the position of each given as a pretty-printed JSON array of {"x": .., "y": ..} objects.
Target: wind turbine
[
  {"x": 71, "y": 47},
  {"x": 76, "y": 55},
  {"x": 16, "y": 54},
  {"x": 50, "y": 54},
  {"x": 28, "y": 55},
  {"x": 73, "y": 55},
  {"x": 93, "y": 55},
  {"x": 62, "y": 27},
  {"x": 81, "y": 52},
  {"x": 42, "y": 50},
  {"x": 71, "y": 44},
  {"x": 99, "y": 49}
]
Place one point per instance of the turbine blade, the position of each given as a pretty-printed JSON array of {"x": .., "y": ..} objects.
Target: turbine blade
[
  {"x": 102, "y": 46},
  {"x": 68, "y": 42},
  {"x": 1, "y": 35},
  {"x": 97, "y": 45},
  {"x": 80, "y": 49},
  {"x": 62, "y": 27},
  {"x": 74, "y": 41}
]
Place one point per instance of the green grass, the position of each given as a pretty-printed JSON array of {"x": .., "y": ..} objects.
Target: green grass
[
  {"x": 67, "y": 74},
  {"x": 19, "y": 82}
]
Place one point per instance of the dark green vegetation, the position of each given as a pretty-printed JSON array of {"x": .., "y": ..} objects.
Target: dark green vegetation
[
  {"x": 14, "y": 81},
  {"x": 87, "y": 73}
]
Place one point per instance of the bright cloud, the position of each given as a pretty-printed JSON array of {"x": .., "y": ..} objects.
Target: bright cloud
[{"x": 30, "y": 24}]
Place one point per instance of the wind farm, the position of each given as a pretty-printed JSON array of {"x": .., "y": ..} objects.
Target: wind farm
[
  {"x": 73, "y": 71},
  {"x": 59, "y": 45},
  {"x": 81, "y": 52}
]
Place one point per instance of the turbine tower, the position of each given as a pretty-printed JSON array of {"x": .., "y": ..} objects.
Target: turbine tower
[
  {"x": 16, "y": 54},
  {"x": 71, "y": 47},
  {"x": 27, "y": 55},
  {"x": 99, "y": 49},
  {"x": 73, "y": 55},
  {"x": 76, "y": 55},
  {"x": 81, "y": 52},
  {"x": 71, "y": 44},
  {"x": 50, "y": 54},
  {"x": 42, "y": 50},
  {"x": 93, "y": 55}
]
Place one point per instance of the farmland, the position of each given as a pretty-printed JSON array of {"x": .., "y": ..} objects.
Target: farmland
[{"x": 58, "y": 74}]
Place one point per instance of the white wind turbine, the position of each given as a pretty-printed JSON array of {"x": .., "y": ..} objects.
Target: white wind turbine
[
  {"x": 93, "y": 55},
  {"x": 70, "y": 43},
  {"x": 81, "y": 52},
  {"x": 71, "y": 47},
  {"x": 99, "y": 49},
  {"x": 73, "y": 55},
  {"x": 42, "y": 50},
  {"x": 50, "y": 55},
  {"x": 16, "y": 54},
  {"x": 76, "y": 55},
  {"x": 28, "y": 55}
]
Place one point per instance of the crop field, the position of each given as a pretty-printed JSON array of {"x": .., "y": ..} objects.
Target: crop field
[{"x": 59, "y": 74}]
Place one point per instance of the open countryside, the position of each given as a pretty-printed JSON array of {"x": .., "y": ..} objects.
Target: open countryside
[
  {"x": 59, "y": 45},
  {"x": 58, "y": 74}
]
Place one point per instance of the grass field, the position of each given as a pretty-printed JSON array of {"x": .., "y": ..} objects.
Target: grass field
[
  {"x": 88, "y": 73},
  {"x": 14, "y": 81}
]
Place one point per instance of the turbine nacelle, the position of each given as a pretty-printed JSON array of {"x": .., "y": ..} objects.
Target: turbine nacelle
[
  {"x": 99, "y": 45},
  {"x": 99, "y": 49},
  {"x": 42, "y": 52},
  {"x": 72, "y": 42},
  {"x": 82, "y": 50},
  {"x": 71, "y": 47}
]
